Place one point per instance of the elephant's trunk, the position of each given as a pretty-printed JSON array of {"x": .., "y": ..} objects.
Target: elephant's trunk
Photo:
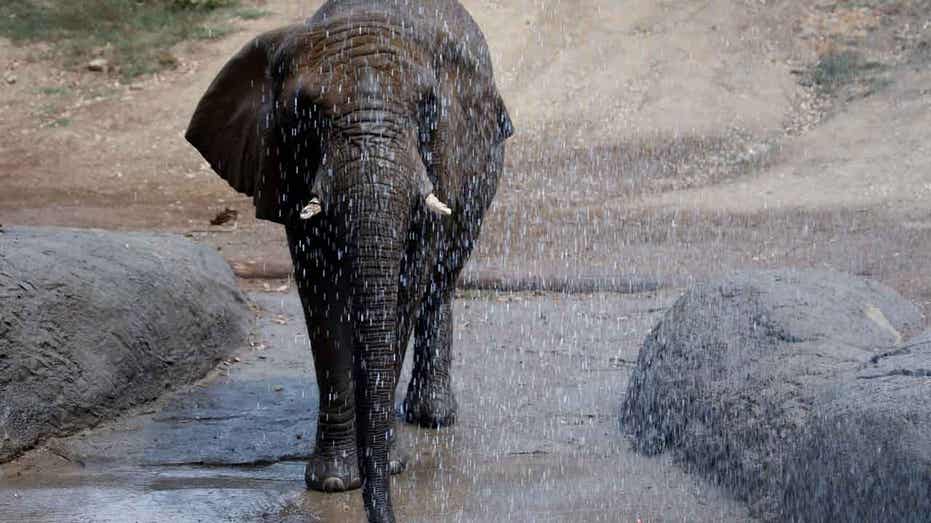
[{"x": 379, "y": 214}]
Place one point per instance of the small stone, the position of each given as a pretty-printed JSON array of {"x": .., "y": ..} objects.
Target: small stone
[
  {"x": 279, "y": 388},
  {"x": 166, "y": 59},
  {"x": 10, "y": 78},
  {"x": 98, "y": 65},
  {"x": 236, "y": 359},
  {"x": 135, "y": 87}
]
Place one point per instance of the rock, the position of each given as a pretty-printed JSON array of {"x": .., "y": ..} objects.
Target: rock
[
  {"x": 866, "y": 454},
  {"x": 94, "y": 322},
  {"x": 10, "y": 78},
  {"x": 166, "y": 59},
  {"x": 98, "y": 65},
  {"x": 787, "y": 388},
  {"x": 227, "y": 215}
]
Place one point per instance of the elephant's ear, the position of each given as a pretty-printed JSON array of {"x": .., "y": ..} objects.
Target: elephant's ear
[
  {"x": 470, "y": 130},
  {"x": 231, "y": 125}
]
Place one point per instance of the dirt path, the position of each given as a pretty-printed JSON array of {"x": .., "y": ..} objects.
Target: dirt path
[
  {"x": 678, "y": 78},
  {"x": 874, "y": 154}
]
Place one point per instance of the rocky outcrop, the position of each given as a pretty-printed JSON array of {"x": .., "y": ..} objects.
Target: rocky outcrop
[
  {"x": 794, "y": 389},
  {"x": 93, "y": 322}
]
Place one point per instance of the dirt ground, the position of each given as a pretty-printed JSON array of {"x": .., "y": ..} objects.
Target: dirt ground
[{"x": 658, "y": 143}]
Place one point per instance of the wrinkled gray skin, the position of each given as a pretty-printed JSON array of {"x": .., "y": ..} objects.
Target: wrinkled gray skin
[{"x": 369, "y": 106}]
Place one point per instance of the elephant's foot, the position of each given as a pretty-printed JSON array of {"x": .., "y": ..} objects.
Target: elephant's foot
[
  {"x": 342, "y": 474},
  {"x": 430, "y": 407},
  {"x": 333, "y": 474}
]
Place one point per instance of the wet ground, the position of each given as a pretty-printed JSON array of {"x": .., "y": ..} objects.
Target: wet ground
[{"x": 540, "y": 378}]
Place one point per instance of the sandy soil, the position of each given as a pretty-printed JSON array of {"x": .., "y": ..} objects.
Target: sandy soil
[{"x": 658, "y": 142}]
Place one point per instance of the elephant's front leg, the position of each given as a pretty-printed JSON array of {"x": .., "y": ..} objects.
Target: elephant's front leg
[
  {"x": 430, "y": 401},
  {"x": 334, "y": 465}
]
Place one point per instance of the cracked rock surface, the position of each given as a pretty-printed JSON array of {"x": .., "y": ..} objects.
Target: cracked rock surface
[{"x": 793, "y": 389}]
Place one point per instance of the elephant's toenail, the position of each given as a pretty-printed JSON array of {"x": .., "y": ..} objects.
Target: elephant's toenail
[{"x": 333, "y": 485}]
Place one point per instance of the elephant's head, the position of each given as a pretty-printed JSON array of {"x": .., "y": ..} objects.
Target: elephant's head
[{"x": 368, "y": 119}]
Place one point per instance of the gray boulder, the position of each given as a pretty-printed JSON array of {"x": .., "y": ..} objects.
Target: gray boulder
[
  {"x": 794, "y": 390},
  {"x": 94, "y": 322}
]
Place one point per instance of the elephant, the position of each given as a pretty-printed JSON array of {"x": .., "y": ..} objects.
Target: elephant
[{"x": 374, "y": 133}]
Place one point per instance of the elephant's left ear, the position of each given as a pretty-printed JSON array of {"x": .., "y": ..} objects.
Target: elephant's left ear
[{"x": 231, "y": 125}]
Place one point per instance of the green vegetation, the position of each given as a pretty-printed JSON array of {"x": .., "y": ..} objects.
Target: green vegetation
[
  {"x": 838, "y": 69},
  {"x": 60, "y": 122},
  {"x": 134, "y": 35},
  {"x": 202, "y": 4},
  {"x": 53, "y": 91},
  {"x": 50, "y": 113},
  {"x": 250, "y": 13}
]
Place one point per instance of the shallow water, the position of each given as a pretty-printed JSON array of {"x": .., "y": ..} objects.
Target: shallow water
[{"x": 539, "y": 379}]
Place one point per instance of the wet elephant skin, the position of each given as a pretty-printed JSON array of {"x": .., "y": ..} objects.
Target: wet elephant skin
[{"x": 375, "y": 134}]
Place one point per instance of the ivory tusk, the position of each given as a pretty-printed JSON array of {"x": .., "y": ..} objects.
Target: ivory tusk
[
  {"x": 438, "y": 207},
  {"x": 311, "y": 209}
]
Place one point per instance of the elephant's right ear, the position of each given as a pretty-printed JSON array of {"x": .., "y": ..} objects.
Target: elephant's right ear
[{"x": 230, "y": 126}]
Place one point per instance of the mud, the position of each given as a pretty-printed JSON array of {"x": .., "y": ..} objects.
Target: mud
[{"x": 539, "y": 378}]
